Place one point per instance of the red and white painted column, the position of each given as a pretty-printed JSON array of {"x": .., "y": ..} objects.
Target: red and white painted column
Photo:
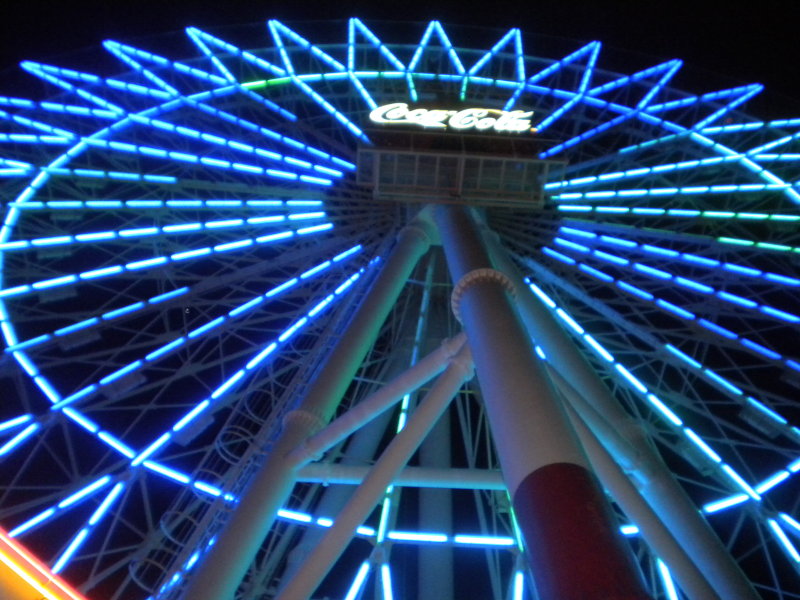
[
  {"x": 575, "y": 549},
  {"x": 630, "y": 447}
]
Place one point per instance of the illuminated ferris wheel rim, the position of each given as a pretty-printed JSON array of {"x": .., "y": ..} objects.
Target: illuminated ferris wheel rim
[
  {"x": 644, "y": 111},
  {"x": 701, "y": 133}
]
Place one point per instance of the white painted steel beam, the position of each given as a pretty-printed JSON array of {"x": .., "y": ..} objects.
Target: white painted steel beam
[
  {"x": 385, "y": 470},
  {"x": 226, "y": 564},
  {"x": 418, "y": 477}
]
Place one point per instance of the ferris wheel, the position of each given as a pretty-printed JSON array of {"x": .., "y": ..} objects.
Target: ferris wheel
[{"x": 208, "y": 256}]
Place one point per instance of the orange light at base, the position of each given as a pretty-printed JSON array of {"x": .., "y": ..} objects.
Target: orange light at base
[{"x": 24, "y": 577}]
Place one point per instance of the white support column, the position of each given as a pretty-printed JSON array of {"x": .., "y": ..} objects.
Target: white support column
[
  {"x": 435, "y": 563},
  {"x": 574, "y": 548},
  {"x": 360, "y": 449},
  {"x": 225, "y": 565},
  {"x": 629, "y": 445},
  {"x": 385, "y": 470},
  {"x": 374, "y": 404}
]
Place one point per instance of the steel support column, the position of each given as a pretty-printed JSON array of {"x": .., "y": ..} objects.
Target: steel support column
[
  {"x": 226, "y": 564},
  {"x": 435, "y": 565},
  {"x": 628, "y": 443},
  {"x": 575, "y": 550},
  {"x": 379, "y": 401},
  {"x": 372, "y": 489}
]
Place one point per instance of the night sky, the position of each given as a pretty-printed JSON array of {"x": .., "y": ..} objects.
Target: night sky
[{"x": 743, "y": 42}]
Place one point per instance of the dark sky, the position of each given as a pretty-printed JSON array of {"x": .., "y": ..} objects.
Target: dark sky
[{"x": 745, "y": 42}]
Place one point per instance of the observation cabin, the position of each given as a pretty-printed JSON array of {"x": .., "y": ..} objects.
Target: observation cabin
[{"x": 406, "y": 164}]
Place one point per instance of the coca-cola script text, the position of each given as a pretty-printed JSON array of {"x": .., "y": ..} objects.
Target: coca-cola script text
[{"x": 480, "y": 119}]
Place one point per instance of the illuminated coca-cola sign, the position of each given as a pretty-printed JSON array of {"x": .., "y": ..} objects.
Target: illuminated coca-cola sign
[{"x": 478, "y": 119}]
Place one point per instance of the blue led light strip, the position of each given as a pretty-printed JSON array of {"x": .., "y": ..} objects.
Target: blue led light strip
[
  {"x": 162, "y": 441},
  {"x": 184, "y": 569},
  {"x": 356, "y": 25},
  {"x": 202, "y": 330},
  {"x": 436, "y": 27},
  {"x": 90, "y": 490},
  {"x": 16, "y": 164},
  {"x": 95, "y": 321},
  {"x": 278, "y": 30},
  {"x": 386, "y": 582},
  {"x": 270, "y": 134},
  {"x": 38, "y": 125},
  {"x": 142, "y": 457},
  {"x": 742, "y": 243},
  {"x": 19, "y": 438},
  {"x": 73, "y": 499},
  {"x": 670, "y": 590},
  {"x": 784, "y": 541},
  {"x": 202, "y": 39},
  {"x": 646, "y": 211},
  {"x": 252, "y": 366},
  {"x": 465, "y": 540},
  {"x": 733, "y": 391},
  {"x": 719, "y": 382},
  {"x": 411, "y": 537},
  {"x": 97, "y": 516},
  {"x": 784, "y": 157},
  {"x": 188, "y": 132},
  {"x": 773, "y": 144},
  {"x": 738, "y": 95},
  {"x": 63, "y": 404},
  {"x": 699, "y": 261},
  {"x": 667, "y": 69},
  {"x": 102, "y": 174},
  {"x": 641, "y": 114},
  {"x": 56, "y": 167},
  {"x": 627, "y": 113},
  {"x": 664, "y": 305},
  {"x": 721, "y": 468},
  {"x": 28, "y": 138},
  {"x": 528, "y": 85},
  {"x": 126, "y": 54},
  {"x": 115, "y": 84},
  {"x": 231, "y": 49},
  {"x": 96, "y": 237},
  {"x": 358, "y": 582},
  {"x": 513, "y": 36},
  {"x": 205, "y": 161},
  {"x": 448, "y": 46},
  {"x": 739, "y": 127},
  {"x": 54, "y": 75},
  {"x": 643, "y": 172},
  {"x": 558, "y": 148},
  {"x": 15, "y": 422},
  {"x": 742, "y": 188},
  {"x": 582, "y": 88},
  {"x": 192, "y": 204},
  {"x": 159, "y": 261}
]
